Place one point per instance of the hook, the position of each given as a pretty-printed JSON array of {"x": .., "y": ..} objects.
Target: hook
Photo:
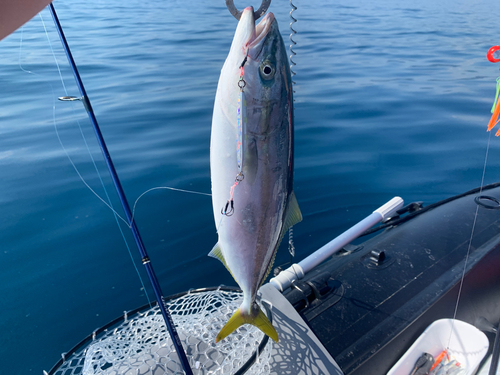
[
  {"x": 257, "y": 14},
  {"x": 226, "y": 210}
]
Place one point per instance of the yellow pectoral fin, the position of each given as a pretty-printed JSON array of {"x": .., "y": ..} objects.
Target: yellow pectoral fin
[
  {"x": 238, "y": 319},
  {"x": 217, "y": 253}
]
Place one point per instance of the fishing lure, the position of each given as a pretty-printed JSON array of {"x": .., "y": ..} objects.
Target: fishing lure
[
  {"x": 493, "y": 55},
  {"x": 439, "y": 358},
  {"x": 241, "y": 120},
  {"x": 495, "y": 110},
  {"x": 228, "y": 209}
]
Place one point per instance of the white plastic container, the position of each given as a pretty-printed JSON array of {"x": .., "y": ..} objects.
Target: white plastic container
[{"x": 464, "y": 342}]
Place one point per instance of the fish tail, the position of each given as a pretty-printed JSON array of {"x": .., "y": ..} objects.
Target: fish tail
[{"x": 257, "y": 318}]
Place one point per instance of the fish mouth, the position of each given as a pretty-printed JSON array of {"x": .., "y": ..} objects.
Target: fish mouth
[{"x": 258, "y": 33}]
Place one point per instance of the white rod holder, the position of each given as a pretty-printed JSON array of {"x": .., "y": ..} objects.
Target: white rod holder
[{"x": 297, "y": 271}]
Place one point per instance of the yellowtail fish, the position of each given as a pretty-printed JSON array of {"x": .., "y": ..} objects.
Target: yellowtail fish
[{"x": 251, "y": 161}]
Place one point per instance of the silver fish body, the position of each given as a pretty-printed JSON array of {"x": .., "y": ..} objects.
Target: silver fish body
[{"x": 258, "y": 173}]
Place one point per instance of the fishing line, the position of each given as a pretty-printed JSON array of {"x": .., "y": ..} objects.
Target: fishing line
[
  {"x": 470, "y": 243},
  {"x": 81, "y": 132},
  {"x": 109, "y": 205},
  {"x": 165, "y": 187},
  {"x": 90, "y": 153},
  {"x": 20, "y": 50},
  {"x": 494, "y": 110},
  {"x": 116, "y": 215},
  {"x": 55, "y": 121}
]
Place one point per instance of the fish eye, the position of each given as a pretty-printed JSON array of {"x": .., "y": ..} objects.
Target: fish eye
[{"x": 267, "y": 70}]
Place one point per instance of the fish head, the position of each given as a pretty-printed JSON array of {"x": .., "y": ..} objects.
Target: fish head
[
  {"x": 260, "y": 52},
  {"x": 248, "y": 39}
]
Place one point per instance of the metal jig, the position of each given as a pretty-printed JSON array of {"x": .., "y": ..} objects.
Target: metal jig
[{"x": 257, "y": 14}]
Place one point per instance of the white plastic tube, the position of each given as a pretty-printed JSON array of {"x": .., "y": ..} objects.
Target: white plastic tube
[{"x": 297, "y": 271}]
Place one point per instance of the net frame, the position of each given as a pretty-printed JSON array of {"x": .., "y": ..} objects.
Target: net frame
[{"x": 76, "y": 361}]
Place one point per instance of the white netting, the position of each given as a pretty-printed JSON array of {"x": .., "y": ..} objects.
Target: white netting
[{"x": 141, "y": 345}]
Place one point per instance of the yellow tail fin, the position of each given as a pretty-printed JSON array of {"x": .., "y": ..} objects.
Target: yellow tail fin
[{"x": 259, "y": 320}]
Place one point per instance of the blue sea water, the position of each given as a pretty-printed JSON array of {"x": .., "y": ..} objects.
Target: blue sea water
[{"x": 392, "y": 98}]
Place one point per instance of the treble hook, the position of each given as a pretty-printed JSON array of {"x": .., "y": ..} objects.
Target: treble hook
[{"x": 256, "y": 14}]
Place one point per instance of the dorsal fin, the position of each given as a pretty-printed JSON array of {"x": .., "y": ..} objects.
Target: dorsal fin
[{"x": 216, "y": 252}]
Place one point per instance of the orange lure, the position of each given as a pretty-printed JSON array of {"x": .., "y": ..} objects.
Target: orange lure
[{"x": 494, "y": 118}]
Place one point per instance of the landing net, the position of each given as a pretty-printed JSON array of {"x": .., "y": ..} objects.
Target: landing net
[{"x": 141, "y": 345}]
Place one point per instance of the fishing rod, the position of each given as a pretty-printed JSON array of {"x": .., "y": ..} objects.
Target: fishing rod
[{"x": 123, "y": 199}]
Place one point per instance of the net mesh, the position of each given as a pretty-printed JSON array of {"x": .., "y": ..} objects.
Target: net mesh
[{"x": 141, "y": 344}]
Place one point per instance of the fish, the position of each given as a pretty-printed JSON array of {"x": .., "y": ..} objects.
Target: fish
[{"x": 251, "y": 162}]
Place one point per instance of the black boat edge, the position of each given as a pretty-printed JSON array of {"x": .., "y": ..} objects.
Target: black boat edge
[{"x": 369, "y": 303}]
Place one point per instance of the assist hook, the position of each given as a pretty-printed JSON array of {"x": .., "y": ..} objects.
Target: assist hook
[{"x": 257, "y": 14}]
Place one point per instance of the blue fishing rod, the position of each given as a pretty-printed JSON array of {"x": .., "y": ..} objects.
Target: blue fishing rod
[{"x": 123, "y": 199}]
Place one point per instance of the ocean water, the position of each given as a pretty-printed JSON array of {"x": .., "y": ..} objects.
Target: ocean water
[{"x": 392, "y": 98}]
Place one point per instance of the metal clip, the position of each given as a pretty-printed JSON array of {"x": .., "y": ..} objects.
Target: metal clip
[
  {"x": 69, "y": 98},
  {"x": 257, "y": 14}
]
